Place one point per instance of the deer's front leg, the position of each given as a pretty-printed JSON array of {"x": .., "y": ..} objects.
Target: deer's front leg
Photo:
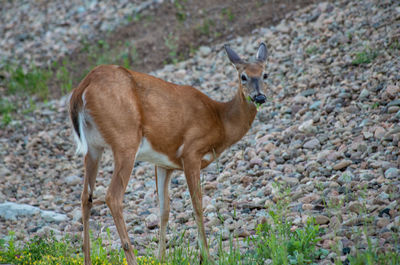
[
  {"x": 192, "y": 173},
  {"x": 163, "y": 177}
]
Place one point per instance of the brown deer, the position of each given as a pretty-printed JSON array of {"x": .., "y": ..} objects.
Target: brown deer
[{"x": 141, "y": 117}]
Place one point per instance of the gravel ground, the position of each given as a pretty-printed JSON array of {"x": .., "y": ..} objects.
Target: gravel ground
[
  {"x": 51, "y": 29},
  {"x": 330, "y": 132}
]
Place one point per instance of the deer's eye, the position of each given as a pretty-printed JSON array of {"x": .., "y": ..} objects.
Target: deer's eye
[
  {"x": 265, "y": 76},
  {"x": 244, "y": 77}
]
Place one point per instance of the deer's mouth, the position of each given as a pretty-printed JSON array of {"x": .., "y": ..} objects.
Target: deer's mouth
[{"x": 259, "y": 99}]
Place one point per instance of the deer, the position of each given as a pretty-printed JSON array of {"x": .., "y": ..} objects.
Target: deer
[{"x": 175, "y": 127}]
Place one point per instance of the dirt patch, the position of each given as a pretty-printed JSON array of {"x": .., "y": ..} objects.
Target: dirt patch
[{"x": 173, "y": 31}]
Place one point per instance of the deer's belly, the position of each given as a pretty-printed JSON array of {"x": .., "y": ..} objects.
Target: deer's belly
[{"x": 148, "y": 154}]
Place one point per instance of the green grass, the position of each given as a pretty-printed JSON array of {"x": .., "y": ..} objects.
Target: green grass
[
  {"x": 312, "y": 50},
  {"x": 228, "y": 14},
  {"x": 180, "y": 10},
  {"x": 205, "y": 27},
  {"x": 275, "y": 242},
  {"x": 32, "y": 81},
  {"x": 6, "y": 108},
  {"x": 171, "y": 43},
  {"x": 365, "y": 57}
]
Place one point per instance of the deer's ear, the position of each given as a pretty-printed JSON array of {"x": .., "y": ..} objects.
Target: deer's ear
[
  {"x": 262, "y": 53},
  {"x": 233, "y": 57}
]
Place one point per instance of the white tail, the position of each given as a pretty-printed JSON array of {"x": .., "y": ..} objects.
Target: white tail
[{"x": 175, "y": 127}]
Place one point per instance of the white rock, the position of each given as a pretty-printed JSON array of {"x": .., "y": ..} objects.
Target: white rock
[
  {"x": 11, "y": 210},
  {"x": 51, "y": 216}
]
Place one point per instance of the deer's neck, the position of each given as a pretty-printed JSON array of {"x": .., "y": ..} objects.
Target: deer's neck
[{"x": 237, "y": 117}]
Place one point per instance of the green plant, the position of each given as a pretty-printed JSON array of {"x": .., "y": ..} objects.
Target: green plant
[
  {"x": 204, "y": 28},
  {"x": 172, "y": 45},
  {"x": 180, "y": 10},
  {"x": 364, "y": 57},
  {"x": 227, "y": 13},
  {"x": 279, "y": 243},
  {"x": 6, "y": 106},
  {"x": 64, "y": 77},
  {"x": 372, "y": 255},
  {"x": 312, "y": 50},
  {"x": 31, "y": 81}
]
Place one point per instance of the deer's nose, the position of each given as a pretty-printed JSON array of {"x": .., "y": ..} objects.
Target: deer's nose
[{"x": 260, "y": 99}]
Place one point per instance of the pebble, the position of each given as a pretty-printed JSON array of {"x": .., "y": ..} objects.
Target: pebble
[
  {"x": 312, "y": 144},
  {"x": 392, "y": 172},
  {"x": 342, "y": 164}
]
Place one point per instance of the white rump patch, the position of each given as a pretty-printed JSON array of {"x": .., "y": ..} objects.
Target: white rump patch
[
  {"x": 89, "y": 135},
  {"x": 148, "y": 154},
  {"x": 81, "y": 143},
  {"x": 180, "y": 151}
]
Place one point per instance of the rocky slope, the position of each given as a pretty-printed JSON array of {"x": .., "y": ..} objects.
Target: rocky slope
[
  {"x": 330, "y": 132},
  {"x": 50, "y": 30}
]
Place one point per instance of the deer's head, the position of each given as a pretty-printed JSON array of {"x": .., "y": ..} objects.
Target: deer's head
[{"x": 252, "y": 77}]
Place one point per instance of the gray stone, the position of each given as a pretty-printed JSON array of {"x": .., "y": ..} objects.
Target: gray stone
[
  {"x": 321, "y": 219},
  {"x": 308, "y": 92},
  {"x": 51, "y": 216},
  {"x": 73, "y": 180},
  {"x": 392, "y": 173},
  {"x": 11, "y": 210},
  {"x": 316, "y": 105},
  {"x": 312, "y": 144},
  {"x": 395, "y": 102},
  {"x": 204, "y": 51},
  {"x": 342, "y": 164},
  {"x": 364, "y": 94},
  {"x": 346, "y": 177}
]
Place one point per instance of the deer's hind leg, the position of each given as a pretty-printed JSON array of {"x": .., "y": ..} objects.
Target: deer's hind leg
[
  {"x": 92, "y": 160},
  {"x": 124, "y": 158},
  {"x": 163, "y": 177}
]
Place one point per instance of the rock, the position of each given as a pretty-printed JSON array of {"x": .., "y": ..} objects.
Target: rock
[
  {"x": 4, "y": 171},
  {"x": 367, "y": 135},
  {"x": 210, "y": 209},
  {"x": 325, "y": 7},
  {"x": 321, "y": 219},
  {"x": 392, "y": 173},
  {"x": 11, "y": 210},
  {"x": 77, "y": 214},
  {"x": 307, "y": 126},
  {"x": 73, "y": 180},
  {"x": 342, "y": 164},
  {"x": 382, "y": 222},
  {"x": 151, "y": 221},
  {"x": 312, "y": 144},
  {"x": 138, "y": 230},
  {"x": 346, "y": 177},
  {"x": 51, "y": 216},
  {"x": 289, "y": 180},
  {"x": 395, "y": 102},
  {"x": 241, "y": 232},
  {"x": 316, "y": 105},
  {"x": 364, "y": 94},
  {"x": 392, "y": 91},
  {"x": 355, "y": 207},
  {"x": 379, "y": 132},
  {"x": 204, "y": 51}
]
